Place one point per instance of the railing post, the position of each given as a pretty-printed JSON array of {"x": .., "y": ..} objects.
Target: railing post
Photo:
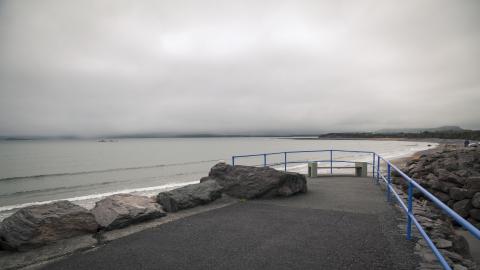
[
  {"x": 264, "y": 160},
  {"x": 331, "y": 161},
  {"x": 378, "y": 168},
  {"x": 285, "y": 160},
  {"x": 410, "y": 203},
  {"x": 389, "y": 182},
  {"x": 373, "y": 166},
  {"x": 233, "y": 161}
]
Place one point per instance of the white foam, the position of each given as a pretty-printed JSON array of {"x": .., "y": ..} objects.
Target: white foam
[
  {"x": 302, "y": 168},
  {"x": 89, "y": 200},
  {"x": 98, "y": 196}
]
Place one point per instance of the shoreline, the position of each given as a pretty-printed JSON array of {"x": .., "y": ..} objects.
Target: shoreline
[
  {"x": 433, "y": 140},
  {"x": 49, "y": 254},
  {"x": 88, "y": 201},
  {"x": 400, "y": 162},
  {"x": 473, "y": 243}
]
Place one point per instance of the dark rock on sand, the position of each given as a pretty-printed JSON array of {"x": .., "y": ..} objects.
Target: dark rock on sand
[
  {"x": 458, "y": 194},
  {"x": 473, "y": 183},
  {"x": 453, "y": 175},
  {"x": 462, "y": 207},
  {"x": 450, "y": 164},
  {"x": 190, "y": 196},
  {"x": 475, "y": 213},
  {"x": 254, "y": 182},
  {"x": 441, "y": 196},
  {"x": 120, "y": 210},
  {"x": 39, "y": 225},
  {"x": 476, "y": 200},
  {"x": 460, "y": 245}
]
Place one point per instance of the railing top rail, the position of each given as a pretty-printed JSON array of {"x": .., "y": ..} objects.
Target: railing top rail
[
  {"x": 412, "y": 184},
  {"x": 304, "y": 151},
  {"x": 465, "y": 224}
]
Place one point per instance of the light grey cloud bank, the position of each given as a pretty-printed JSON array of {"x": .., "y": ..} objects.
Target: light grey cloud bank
[{"x": 117, "y": 67}]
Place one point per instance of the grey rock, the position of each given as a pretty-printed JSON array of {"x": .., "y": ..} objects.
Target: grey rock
[
  {"x": 474, "y": 222},
  {"x": 460, "y": 245},
  {"x": 475, "y": 213},
  {"x": 462, "y": 173},
  {"x": 120, "y": 210},
  {"x": 462, "y": 207},
  {"x": 441, "y": 196},
  {"x": 458, "y": 194},
  {"x": 452, "y": 255},
  {"x": 419, "y": 169},
  {"x": 459, "y": 267},
  {"x": 443, "y": 243},
  {"x": 255, "y": 182},
  {"x": 450, "y": 164},
  {"x": 466, "y": 159},
  {"x": 450, "y": 203},
  {"x": 445, "y": 176},
  {"x": 435, "y": 184},
  {"x": 427, "y": 256},
  {"x": 431, "y": 177},
  {"x": 476, "y": 200},
  {"x": 446, "y": 186},
  {"x": 473, "y": 183},
  {"x": 40, "y": 225},
  {"x": 190, "y": 196}
]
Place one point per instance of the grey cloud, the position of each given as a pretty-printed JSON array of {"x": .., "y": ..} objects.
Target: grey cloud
[{"x": 117, "y": 67}]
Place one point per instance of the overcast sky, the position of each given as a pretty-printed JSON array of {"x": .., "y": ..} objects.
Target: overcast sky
[{"x": 251, "y": 66}]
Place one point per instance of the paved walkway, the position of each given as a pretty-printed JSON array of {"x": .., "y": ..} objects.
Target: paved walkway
[{"x": 341, "y": 223}]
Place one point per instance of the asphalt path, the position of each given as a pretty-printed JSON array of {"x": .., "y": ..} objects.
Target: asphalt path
[{"x": 341, "y": 223}]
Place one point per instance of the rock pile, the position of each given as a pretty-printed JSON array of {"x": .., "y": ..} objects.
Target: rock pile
[
  {"x": 248, "y": 182},
  {"x": 189, "y": 196},
  {"x": 454, "y": 247},
  {"x": 453, "y": 176},
  {"x": 120, "y": 210},
  {"x": 40, "y": 225}
]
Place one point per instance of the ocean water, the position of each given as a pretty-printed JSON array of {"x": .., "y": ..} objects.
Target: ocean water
[{"x": 84, "y": 171}]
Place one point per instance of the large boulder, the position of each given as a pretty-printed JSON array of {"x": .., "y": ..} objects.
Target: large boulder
[
  {"x": 189, "y": 196},
  {"x": 462, "y": 207},
  {"x": 450, "y": 164},
  {"x": 39, "y": 225},
  {"x": 254, "y": 182},
  {"x": 458, "y": 194},
  {"x": 460, "y": 245},
  {"x": 446, "y": 176},
  {"x": 476, "y": 200},
  {"x": 475, "y": 213},
  {"x": 473, "y": 183},
  {"x": 441, "y": 196},
  {"x": 120, "y": 210}
]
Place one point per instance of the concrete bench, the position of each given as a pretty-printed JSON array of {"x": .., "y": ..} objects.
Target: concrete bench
[{"x": 360, "y": 168}]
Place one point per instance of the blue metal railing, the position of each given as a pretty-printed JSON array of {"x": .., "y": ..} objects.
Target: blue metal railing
[
  {"x": 377, "y": 174},
  {"x": 285, "y": 162}
]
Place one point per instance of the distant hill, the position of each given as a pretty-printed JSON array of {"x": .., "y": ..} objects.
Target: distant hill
[
  {"x": 424, "y": 134},
  {"x": 420, "y": 130}
]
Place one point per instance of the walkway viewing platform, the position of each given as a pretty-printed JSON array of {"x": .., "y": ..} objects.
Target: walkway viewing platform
[
  {"x": 340, "y": 223},
  {"x": 326, "y": 222}
]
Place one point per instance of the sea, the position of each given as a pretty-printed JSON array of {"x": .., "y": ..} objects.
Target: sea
[{"x": 85, "y": 171}]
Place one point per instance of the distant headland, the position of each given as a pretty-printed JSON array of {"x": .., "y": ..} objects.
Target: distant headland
[{"x": 444, "y": 132}]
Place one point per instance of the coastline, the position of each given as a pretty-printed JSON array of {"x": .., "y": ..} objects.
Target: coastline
[
  {"x": 400, "y": 162},
  {"x": 88, "y": 243},
  {"x": 87, "y": 200},
  {"x": 473, "y": 243}
]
